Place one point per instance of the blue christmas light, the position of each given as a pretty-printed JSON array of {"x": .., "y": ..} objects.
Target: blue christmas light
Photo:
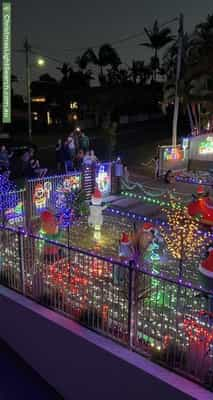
[
  {"x": 8, "y": 193},
  {"x": 193, "y": 180}
]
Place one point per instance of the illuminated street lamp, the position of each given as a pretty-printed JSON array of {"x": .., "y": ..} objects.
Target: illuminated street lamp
[{"x": 40, "y": 62}]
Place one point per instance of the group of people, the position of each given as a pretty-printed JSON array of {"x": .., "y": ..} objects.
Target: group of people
[
  {"x": 74, "y": 152},
  {"x": 71, "y": 154},
  {"x": 30, "y": 165},
  {"x": 5, "y": 160}
]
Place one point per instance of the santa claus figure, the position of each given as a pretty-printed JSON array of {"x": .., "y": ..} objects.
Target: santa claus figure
[
  {"x": 202, "y": 206},
  {"x": 95, "y": 218},
  {"x": 206, "y": 269}
]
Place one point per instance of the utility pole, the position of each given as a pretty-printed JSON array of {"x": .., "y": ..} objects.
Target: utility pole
[
  {"x": 27, "y": 48},
  {"x": 178, "y": 74}
]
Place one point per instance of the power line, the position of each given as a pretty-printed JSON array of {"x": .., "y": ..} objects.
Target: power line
[
  {"x": 126, "y": 38},
  {"x": 37, "y": 51}
]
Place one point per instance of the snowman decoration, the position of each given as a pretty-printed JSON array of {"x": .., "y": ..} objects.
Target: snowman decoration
[{"x": 97, "y": 207}]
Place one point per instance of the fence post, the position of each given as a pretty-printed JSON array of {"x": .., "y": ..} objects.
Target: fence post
[
  {"x": 22, "y": 259},
  {"x": 28, "y": 201},
  {"x": 131, "y": 306}
]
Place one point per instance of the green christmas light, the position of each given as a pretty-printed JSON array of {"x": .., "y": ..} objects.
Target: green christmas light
[{"x": 161, "y": 203}]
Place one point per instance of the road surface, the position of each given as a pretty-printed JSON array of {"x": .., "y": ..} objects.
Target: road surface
[{"x": 19, "y": 382}]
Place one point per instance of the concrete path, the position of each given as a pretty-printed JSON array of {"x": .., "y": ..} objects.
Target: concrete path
[
  {"x": 20, "y": 382},
  {"x": 143, "y": 208}
]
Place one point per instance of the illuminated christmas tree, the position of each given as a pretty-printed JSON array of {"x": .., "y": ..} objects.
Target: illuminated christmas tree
[{"x": 183, "y": 241}]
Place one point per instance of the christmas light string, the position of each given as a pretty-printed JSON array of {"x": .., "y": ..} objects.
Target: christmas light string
[
  {"x": 50, "y": 177},
  {"x": 148, "y": 199},
  {"x": 146, "y": 189},
  {"x": 126, "y": 264},
  {"x": 194, "y": 180},
  {"x": 132, "y": 216}
]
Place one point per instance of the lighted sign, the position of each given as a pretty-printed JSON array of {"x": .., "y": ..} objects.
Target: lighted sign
[
  {"x": 16, "y": 212},
  {"x": 173, "y": 153},
  {"x": 103, "y": 178},
  {"x": 74, "y": 105},
  {"x": 206, "y": 146},
  {"x": 42, "y": 194},
  {"x": 6, "y": 63},
  {"x": 39, "y": 99},
  {"x": 69, "y": 185}
]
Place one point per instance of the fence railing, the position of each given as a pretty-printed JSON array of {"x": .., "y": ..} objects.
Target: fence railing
[
  {"x": 50, "y": 192},
  {"x": 21, "y": 206},
  {"x": 13, "y": 208},
  {"x": 166, "y": 320}
]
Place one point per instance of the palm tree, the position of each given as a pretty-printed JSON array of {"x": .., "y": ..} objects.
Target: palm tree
[
  {"x": 201, "y": 47},
  {"x": 65, "y": 71},
  {"x": 204, "y": 31},
  {"x": 83, "y": 61},
  {"x": 117, "y": 77},
  {"x": 84, "y": 73},
  {"x": 157, "y": 39},
  {"x": 196, "y": 84},
  {"x": 140, "y": 72},
  {"x": 107, "y": 55}
]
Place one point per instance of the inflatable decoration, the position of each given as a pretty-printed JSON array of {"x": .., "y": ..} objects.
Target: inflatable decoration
[
  {"x": 206, "y": 271},
  {"x": 49, "y": 224},
  {"x": 202, "y": 207},
  {"x": 50, "y": 231}
]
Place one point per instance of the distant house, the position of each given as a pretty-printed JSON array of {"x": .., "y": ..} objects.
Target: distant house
[{"x": 95, "y": 106}]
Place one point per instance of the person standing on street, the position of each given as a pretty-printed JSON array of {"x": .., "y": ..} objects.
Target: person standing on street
[
  {"x": 84, "y": 142},
  {"x": 67, "y": 160},
  {"x": 59, "y": 155}
]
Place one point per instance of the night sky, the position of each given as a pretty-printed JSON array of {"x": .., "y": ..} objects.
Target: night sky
[{"x": 62, "y": 29}]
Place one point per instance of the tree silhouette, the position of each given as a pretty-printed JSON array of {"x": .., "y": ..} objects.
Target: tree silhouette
[
  {"x": 106, "y": 56},
  {"x": 157, "y": 39},
  {"x": 140, "y": 73},
  {"x": 65, "y": 71}
]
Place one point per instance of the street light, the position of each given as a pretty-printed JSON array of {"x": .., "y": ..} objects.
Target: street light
[{"x": 40, "y": 62}]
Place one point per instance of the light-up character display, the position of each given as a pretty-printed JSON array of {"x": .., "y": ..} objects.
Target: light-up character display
[
  {"x": 41, "y": 194},
  {"x": 103, "y": 178},
  {"x": 173, "y": 153}
]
